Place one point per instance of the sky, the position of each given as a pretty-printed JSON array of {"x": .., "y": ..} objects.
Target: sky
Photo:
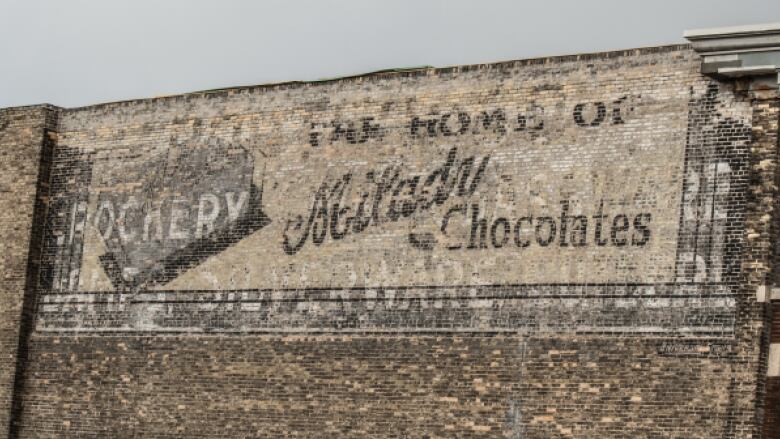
[{"x": 82, "y": 52}]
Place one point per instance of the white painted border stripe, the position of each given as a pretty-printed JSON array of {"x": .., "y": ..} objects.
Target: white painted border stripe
[{"x": 774, "y": 360}]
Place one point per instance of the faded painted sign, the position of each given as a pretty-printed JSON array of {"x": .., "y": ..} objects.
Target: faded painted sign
[{"x": 413, "y": 208}]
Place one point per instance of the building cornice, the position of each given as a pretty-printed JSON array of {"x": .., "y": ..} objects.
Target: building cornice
[{"x": 739, "y": 52}]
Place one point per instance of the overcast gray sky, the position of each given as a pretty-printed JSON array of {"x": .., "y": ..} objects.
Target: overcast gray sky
[{"x": 80, "y": 52}]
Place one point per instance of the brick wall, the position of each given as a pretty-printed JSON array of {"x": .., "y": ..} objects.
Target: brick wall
[
  {"x": 768, "y": 135},
  {"x": 560, "y": 247},
  {"x": 772, "y": 401},
  {"x": 23, "y": 142},
  {"x": 758, "y": 260}
]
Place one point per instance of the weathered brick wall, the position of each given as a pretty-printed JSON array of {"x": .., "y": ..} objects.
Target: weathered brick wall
[
  {"x": 766, "y": 139},
  {"x": 563, "y": 247},
  {"x": 376, "y": 386},
  {"x": 23, "y": 141},
  {"x": 772, "y": 391}
]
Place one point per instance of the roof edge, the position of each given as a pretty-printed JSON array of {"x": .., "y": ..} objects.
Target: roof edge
[
  {"x": 46, "y": 106},
  {"x": 398, "y": 72},
  {"x": 732, "y": 31}
]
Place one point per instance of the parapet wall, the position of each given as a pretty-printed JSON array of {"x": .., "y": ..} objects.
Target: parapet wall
[{"x": 542, "y": 248}]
